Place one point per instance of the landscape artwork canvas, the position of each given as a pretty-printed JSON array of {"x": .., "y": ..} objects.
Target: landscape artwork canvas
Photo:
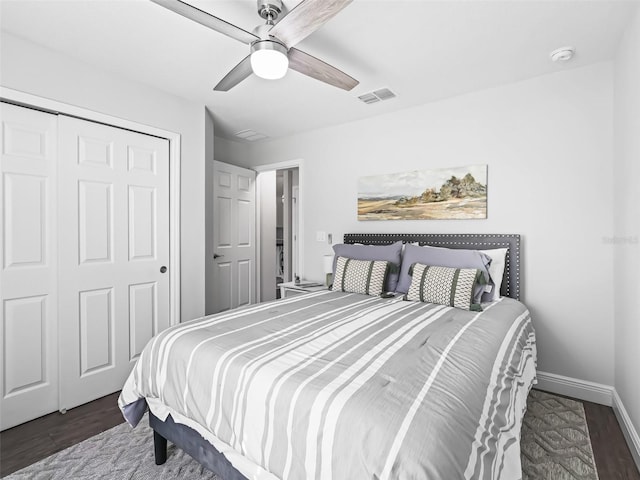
[{"x": 439, "y": 194}]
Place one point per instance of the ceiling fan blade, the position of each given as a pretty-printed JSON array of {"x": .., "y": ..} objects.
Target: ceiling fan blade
[
  {"x": 208, "y": 20},
  {"x": 235, "y": 76},
  {"x": 312, "y": 67},
  {"x": 306, "y": 18}
]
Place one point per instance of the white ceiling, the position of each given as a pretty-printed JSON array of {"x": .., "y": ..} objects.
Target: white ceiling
[{"x": 422, "y": 50}]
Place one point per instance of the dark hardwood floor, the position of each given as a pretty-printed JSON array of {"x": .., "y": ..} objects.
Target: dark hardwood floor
[
  {"x": 612, "y": 455},
  {"x": 27, "y": 443},
  {"x": 32, "y": 441}
]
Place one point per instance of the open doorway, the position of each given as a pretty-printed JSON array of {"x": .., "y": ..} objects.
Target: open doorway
[{"x": 279, "y": 229}]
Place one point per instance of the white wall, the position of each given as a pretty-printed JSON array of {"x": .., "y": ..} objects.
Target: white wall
[
  {"x": 31, "y": 68},
  {"x": 266, "y": 182},
  {"x": 548, "y": 144},
  {"x": 627, "y": 219},
  {"x": 229, "y": 151},
  {"x": 210, "y": 264}
]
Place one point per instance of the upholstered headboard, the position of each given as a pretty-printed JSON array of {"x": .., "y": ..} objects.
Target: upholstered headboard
[{"x": 482, "y": 241}]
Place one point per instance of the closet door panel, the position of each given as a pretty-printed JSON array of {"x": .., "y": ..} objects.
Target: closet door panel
[
  {"x": 25, "y": 220},
  {"x": 28, "y": 297},
  {"x": 114, "y": 210},
  {"x": 95, "y": 221},
  {"x": 25, "y": 345},
  {"x": 144, "y": 316},
  {"x": 96, "y": 331},
  {"x": 142, "y": 230}
]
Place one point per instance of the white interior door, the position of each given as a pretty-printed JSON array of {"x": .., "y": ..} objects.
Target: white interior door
[
  {"x": 234, "y": 267},
  {"x": 114, "y": 289},
  {"x": 28, "y": 346}
]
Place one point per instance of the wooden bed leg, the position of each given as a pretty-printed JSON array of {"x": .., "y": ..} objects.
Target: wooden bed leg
[{"x": 159, "y": 448}]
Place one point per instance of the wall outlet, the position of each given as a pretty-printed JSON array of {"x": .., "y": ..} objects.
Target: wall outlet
[{"x": 321, "y": 236}]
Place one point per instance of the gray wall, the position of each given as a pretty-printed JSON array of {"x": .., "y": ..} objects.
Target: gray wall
[
  {"x": 548, "y": 143},
  {"x": 266, "y": 197},
  {"x": 208, "y": 209},
  {"x": 235, "y": 153},
  {"x": 627, "y": 220}
]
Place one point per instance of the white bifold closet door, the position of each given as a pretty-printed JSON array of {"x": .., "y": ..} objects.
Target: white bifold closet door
[
  {"x": 114, "y": 243},
  {"x": 85, "y": 237},
  {"x": 29, "y": 347}
]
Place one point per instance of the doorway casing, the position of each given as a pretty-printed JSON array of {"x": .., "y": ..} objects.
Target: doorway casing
[{"x": 295, "y": 163}]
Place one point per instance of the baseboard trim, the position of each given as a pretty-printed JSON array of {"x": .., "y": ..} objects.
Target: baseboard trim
[
  {"x": 628, "y": 430},
  {"x": 573, "y": 387}
]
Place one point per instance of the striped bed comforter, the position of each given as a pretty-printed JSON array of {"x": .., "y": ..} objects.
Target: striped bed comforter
[{"x": 334, "y": 385}]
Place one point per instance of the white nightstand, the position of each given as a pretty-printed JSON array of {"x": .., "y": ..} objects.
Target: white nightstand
[{"x": 287, "y": 289}]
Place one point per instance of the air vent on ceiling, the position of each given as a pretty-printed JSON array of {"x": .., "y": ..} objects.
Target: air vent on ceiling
[
  {"x": 250, "y": 135},
  {"x": 369, "y": 98},
  {"x": 377, "y": 96},
  {"x": 384, "y": 94}
]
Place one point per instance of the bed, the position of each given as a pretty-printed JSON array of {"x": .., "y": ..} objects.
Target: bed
[{"x": 339, "y": 385}]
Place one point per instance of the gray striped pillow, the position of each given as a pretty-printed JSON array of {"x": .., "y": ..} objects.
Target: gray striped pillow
[
  {"x": 360, "y": 276},
  {"x": 453, "y": 287}
]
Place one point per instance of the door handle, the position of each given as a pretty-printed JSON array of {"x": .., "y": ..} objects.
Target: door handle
[
  {"x": 163, "y": 269},
  {"x": 215, "y": 255}
]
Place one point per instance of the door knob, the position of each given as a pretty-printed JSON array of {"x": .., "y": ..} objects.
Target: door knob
[
  {"x": 163, "y": 269},
  {"x": 215, "y": 255}
]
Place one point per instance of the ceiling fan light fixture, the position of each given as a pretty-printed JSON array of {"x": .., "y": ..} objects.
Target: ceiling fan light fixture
[
  {"x": 273, "y": 44},
  {"x": 269, "y": 59}
]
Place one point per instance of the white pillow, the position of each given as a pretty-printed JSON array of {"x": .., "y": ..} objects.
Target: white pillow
[{"x": 496, "y": 271}]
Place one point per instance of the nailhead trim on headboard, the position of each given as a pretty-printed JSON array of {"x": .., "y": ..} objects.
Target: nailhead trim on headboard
[{"x": 479, "y": 241}]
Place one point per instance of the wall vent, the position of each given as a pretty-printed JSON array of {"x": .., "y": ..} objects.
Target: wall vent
[
  {"x": 377, "y": 96},
  {"x": 250, "y": 135}
]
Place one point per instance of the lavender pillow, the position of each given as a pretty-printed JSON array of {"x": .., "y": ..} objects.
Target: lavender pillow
[
  {"x": 391, "y": 253},
  {"x": 443, "y": 257}
]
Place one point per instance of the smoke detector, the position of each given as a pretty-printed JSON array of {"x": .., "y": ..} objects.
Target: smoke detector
[{"x": 563, "y": 54}]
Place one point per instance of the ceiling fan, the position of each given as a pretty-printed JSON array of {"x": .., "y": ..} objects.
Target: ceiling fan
[{"x": 272, "y": 49}]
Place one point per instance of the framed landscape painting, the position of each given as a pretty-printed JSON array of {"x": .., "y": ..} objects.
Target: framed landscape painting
[{"x": 439, "y": 194}]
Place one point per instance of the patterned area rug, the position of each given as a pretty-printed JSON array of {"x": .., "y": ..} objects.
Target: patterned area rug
[
  {"x": 555, "y": 441},
  {"x": 555, "y": 446}
]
